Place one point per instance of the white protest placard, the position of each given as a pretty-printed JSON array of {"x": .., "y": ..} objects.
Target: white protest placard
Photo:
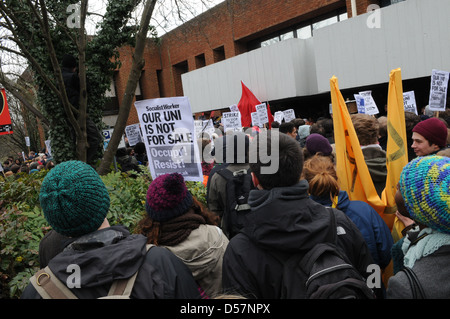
[
  {"x": 169, "y": 137},
  {"x": 107, "y": 133},
  {"x": 262, "y": 113},
  {"x": 23, "y": 155},
  {"x": 289, "y": 115},
  {"x": 208, "y": 127},
  {"x": 198, "y": 128},
  {"x": 278, "y": 116},
  {"x": 255, "y": 119},
  {"x": 360, "y": 103},
  {"x": 49, "y": 147},
  {"x": 231, "y": 122},
  {"x": 27, "y": 141},
  {"x": 234, "y": 108},
  {"x": 438, "y": 90},
  {"x": 369, "y": 103},
  {"x": 409, "y": 102},
  {"x": 133, "y": 133}
]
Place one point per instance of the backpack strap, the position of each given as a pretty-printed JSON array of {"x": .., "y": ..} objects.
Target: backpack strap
[
  {"x": 416, "y": 287},
  {"x": 49, "y": 286},
  {"x": 122, "y": 287}
]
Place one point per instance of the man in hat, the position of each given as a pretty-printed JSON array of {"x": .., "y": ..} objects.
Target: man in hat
[
  {"x": 75, "y": 203},
  {"x": 429, "y": 137}
]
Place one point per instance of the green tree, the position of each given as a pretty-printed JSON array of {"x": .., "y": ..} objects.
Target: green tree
[{"x": 43, "y": 31}]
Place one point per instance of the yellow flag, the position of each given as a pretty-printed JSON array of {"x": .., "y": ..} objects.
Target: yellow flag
[
  {"x": 353, "y": 174},
  {"x": 396, "y": 150}
]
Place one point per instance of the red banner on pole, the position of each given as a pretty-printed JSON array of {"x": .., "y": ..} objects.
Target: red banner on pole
[{"x": 5, "y": 118}]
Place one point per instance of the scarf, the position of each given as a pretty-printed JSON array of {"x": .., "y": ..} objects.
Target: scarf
[
  {"x": 176, "y": 230},
  {"x": 432, "y": 241}
]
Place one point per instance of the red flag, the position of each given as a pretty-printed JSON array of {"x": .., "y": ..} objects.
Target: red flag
[
  {"x": 247, "y": 105},
  {"x": 5, "y": 118}
]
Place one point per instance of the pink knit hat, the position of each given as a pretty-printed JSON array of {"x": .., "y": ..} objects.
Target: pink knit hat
[
  {"x": 434, "y": 130},
  {"x": 167, "y": 197}
]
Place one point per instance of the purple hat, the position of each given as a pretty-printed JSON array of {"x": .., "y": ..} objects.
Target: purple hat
[
  {"x": 167, "y": 197},
  {"x": 433, "y": 130},
  {"x": 316, "y": 143}
]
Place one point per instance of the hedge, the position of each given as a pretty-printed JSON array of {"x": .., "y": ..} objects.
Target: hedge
[{"x": 22, "y": 223}]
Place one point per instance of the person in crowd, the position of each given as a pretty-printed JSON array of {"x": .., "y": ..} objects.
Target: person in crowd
[
  {"x": 140, "y": 153},
  {"x": 231, "y": 153},
  {"x": 367, "y": 128},
  {"x": 429, "y": 137},
  {"x": 320, "y": 173},
  {"x": 411, "y": 120},
  {"x": 382, "y": 132},
  {"x": 179, "y": 222},
  {"x": 204, "y": 146},
  {"x": 303, "y": 133},
  {"x": 75, "y": 203},
  {"x": 317, "y": 144},
  {"x": 283, "y": 220},
  {"x": 289, "y": 129},
  {"x": 297, "y": 123},
  {"x": 425, "y": 250},
  {"x": 127, "y": 163}
]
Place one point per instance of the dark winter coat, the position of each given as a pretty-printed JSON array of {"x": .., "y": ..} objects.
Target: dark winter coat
[
  {"x": 112, "y": 253},
  {"x": 283, "y": 220},
  {"x": 373, "y": 228}
]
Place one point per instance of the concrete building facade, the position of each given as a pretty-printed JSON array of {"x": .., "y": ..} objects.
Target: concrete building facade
[{"x": 286, "y": 52}]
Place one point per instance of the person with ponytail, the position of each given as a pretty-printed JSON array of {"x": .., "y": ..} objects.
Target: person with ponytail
[{"x": 321, "y": 175}]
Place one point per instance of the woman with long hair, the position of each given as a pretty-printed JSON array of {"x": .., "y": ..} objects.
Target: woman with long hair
[{"x": 178, "y": 221}]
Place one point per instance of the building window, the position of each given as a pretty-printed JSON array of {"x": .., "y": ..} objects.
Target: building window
[
  {"x": 324, "y": 23},
  {"x": 178, "y": 70},
  {"x": 301, "y": 31},
  {"x": 219, "y": 54},
  {"x": 270, "y": 41},
  {"x": 200, "y": 61},
  {"x": 111, "y": 106},
  {"x": 304, "y": 32}
]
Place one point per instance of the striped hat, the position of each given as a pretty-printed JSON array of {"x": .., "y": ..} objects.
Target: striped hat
[
  {"x": 74, "y": 199},
  {"x": 425, "y": 187}
]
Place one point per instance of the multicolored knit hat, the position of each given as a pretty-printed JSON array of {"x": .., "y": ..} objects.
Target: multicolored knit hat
[
  {"x": 167, "y": 197},
  {"x": 74, "y": 199},
  {"x": 425, "y": 187}
]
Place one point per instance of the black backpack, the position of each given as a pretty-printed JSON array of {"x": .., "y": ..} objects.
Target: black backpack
[
  {"x": 239, "y": 184},
  {"x": 324, "y": 272}
]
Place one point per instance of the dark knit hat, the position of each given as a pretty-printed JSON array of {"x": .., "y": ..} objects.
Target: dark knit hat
[
  {"x": 425, "y": 187},
  {"x": 74, "y": 199},
  {"x": 316, "y": 143},
  {"x": 434, "y": 130},
  {"x": 167, "y": 197}
]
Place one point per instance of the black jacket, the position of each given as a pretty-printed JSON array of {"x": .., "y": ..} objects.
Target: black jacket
[
  {"x": 112, "y": 253},
  {"x": 283, "y": 220}
]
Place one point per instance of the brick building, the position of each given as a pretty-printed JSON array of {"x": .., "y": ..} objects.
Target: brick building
[{"x": 286, "y": 51}]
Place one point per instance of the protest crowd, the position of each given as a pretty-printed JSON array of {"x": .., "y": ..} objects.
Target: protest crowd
[{"x": 292, "y": 231}]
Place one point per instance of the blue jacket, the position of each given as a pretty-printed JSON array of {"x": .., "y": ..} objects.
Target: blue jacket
[{"x": 373, "y": 228}]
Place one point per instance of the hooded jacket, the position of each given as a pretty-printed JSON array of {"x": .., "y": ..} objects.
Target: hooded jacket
[
  {"x": 372, "y": 227},
  {"x": 287, "y": 221},
  {"x": 203, "y": 253},
  {"x": 113, "y": 253}
]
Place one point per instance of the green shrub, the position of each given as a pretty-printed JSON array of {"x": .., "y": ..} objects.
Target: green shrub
[{"x": 22, "y": 223}]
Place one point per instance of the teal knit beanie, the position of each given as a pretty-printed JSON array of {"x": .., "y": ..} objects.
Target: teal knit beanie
[{"x": 74, "y": 199}]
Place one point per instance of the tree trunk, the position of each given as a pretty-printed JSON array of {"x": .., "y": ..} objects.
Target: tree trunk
[{"x": 133, "y": 78}]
